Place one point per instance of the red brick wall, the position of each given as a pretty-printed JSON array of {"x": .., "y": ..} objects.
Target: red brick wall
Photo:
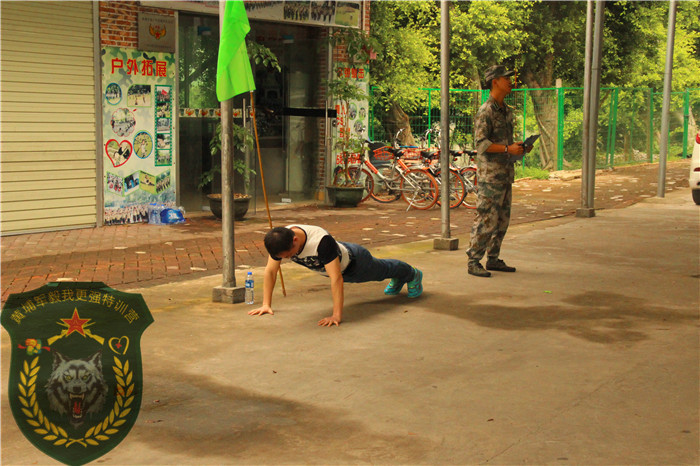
[
  {"x": 119, "y": 22},
  {"x": 321, "y": 123}
]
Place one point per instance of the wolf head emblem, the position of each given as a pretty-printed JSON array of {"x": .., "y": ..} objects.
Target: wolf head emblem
[{"x": 76, "y": 387}]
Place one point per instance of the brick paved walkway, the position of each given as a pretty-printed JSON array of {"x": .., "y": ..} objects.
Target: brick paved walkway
[{"x": 143, "y": 253}]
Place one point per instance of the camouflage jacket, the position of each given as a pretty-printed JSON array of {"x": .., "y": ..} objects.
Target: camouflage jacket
[{"x": 493, "y": 125}]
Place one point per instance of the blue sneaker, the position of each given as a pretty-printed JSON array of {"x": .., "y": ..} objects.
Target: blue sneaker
[
  {"x": 415, "y": 286},
  {"x": 394, "y": 287}
]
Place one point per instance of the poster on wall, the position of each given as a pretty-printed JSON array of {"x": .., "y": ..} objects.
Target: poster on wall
[
  {"x": 311, "y": 12},
  {"x": 344, "y": 13},
  {"x": 353, "y": 118},
  {"x": 137, "y": 132}
]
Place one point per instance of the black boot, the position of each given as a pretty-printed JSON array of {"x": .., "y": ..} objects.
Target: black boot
[
  {"x": 476, "y": 269},
  {"x": 499, "y": 265}
]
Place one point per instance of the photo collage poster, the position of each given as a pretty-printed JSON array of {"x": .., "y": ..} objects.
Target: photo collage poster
[
  {"x": 354, "y": 118},
  {"x": 138, "y": 132},
  {"x": 343, "y": 13},
  {"x": 316, "y": 12}
]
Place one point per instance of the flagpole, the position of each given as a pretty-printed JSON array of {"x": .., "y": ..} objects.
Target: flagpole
[
  {"x": 228, "y": 291},
  {"x": 262, "y": 177}
]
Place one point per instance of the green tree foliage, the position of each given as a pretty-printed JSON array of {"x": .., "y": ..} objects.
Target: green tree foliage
[
  {"x": 542, "y": 40},
  {"x": 635, "y": 45},
  {"x": 482, "y": 34},
  {"x": 403, "y": 31}
]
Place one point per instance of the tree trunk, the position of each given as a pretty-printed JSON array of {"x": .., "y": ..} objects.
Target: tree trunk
[
  {"x": 546, "y": 109},
  {"x": 692, "y": 132},
  {"x": 397, "y": 120},
  {"x": 627, "y": 150}
]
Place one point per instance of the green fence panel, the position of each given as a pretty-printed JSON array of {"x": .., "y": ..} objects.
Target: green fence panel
[{"x": 628, "y": 123}]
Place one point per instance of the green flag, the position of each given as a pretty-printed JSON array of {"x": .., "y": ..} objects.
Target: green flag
[{"x": 233, "y": 73}]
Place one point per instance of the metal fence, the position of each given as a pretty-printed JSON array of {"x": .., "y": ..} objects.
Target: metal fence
[{"x": 629, "y": 123}]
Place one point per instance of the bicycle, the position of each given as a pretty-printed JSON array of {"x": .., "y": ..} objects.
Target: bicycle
[
  {"x": 458, "y": 187},
  {"x": 468, "y": 172},
  {"x": 391, "y": 179}
]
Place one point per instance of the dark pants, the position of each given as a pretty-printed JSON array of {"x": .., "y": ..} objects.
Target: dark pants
[
  {"x": 365, "y": 268},
  {"x": 492, "y": 220}
]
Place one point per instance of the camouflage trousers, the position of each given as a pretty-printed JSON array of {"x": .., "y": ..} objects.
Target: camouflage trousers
[{"x": 492, "y": 220}]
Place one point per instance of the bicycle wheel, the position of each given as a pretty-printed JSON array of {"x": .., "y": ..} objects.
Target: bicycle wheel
[
  {"x": 471, "y": 192},
  {"x": 385, "y": 188},
  {"x": 419, "y": 189},
  {"x": 365, "y": 178},
  {"x": 458, "y": 189}
]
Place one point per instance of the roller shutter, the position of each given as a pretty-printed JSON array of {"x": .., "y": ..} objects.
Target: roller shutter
[{"x": 48, "y": 121}]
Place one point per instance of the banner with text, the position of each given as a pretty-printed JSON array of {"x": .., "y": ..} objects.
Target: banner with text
[{"x": 138, "y": 132}]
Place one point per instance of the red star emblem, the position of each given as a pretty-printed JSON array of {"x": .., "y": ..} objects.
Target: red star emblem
[{"x": 75, "y": 323}]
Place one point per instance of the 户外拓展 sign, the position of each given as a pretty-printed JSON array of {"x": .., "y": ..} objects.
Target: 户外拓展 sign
[
  {"x": 75, "y": 381},
  {"x": 138, "y": 133}
]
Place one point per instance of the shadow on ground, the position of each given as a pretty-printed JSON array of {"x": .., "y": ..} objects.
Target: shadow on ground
[
  {"x": 188, "y": 419},
  {"x": 596, "y": 316}
]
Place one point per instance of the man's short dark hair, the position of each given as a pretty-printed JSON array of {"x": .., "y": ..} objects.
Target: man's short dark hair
[{"x": 278, "y": 240}]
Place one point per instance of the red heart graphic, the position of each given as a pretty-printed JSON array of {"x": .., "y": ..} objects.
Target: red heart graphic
[{"x": 118, "y": 152}]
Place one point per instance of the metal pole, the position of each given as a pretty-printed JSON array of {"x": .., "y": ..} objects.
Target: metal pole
[
  {"x": 227, "y": 292},
  {"x": 663, "y": 150},
  {"x": 686, "y": 118},
  {"x": 595, "y": 99},
  {"x": 445, "y": 242},
  {"x": 445, "y": 116},
  {"x": 586, "y": 210},
  {"x": 651, "y": 125},
  {"x": 229, "y": 277}
]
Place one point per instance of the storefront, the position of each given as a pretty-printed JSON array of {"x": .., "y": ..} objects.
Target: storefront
[
  {"x": 114, "y": 108},
  {"x": 290, "y": 103}
]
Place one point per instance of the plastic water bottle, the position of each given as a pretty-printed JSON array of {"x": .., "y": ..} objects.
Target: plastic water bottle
[{"x": 249, "y": 292}]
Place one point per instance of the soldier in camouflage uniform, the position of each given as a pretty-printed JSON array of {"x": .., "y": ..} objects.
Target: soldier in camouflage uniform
[{"x": 493, "y": 133}]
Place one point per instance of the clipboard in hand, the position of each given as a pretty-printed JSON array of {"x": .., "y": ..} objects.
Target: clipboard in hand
[
  {"x": 527, "y": 143},
  {"x": 530, "y": 141}
]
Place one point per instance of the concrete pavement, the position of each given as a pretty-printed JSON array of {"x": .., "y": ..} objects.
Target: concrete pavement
[{"x": 587, "y": 355}]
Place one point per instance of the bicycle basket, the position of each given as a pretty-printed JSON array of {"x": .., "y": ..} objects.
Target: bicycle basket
[{"x": 382, "y": 153}]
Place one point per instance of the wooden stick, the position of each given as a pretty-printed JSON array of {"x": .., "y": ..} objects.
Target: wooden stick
[{"x": 262, "y": 179}]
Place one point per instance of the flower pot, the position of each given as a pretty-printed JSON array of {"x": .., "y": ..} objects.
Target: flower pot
[
  {"x": 241, "y": 203},
  {"x": 345, "y": 196}
]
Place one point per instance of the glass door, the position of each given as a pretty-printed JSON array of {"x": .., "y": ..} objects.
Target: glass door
[{"x": 198, "y": 51}]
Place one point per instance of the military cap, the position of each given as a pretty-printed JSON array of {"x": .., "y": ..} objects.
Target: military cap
[{"x": 496, "y": 71}]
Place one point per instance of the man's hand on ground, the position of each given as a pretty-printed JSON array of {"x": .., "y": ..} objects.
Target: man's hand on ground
[
  {"x": 260, "y": 311},
  {"x": 329, "y": 321}
]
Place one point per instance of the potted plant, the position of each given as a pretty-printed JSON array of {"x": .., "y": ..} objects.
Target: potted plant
[
  {"x": 240, "y": 141},
  {"x": 348, "y": 189}
]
